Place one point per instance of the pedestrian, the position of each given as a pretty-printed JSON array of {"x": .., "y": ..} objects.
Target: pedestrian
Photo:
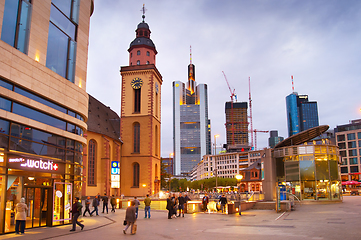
[
  {"x": 95, "y": 206},
  {"x": 170, "y": 207},
  {"x": 181, "y": 202},
  {"x": 186, "y": 198},
  {"x": 130, "y": 218},
  {"x": 136, "y": 205},
  {"x": 105, "y": 202},
  {"x": 76, "y": 211},
  {"x": 205, "y": 201},
  {"x": 20, "y": 216},
  {"x": 147, "y": 202},
  {"x": 223, "y": 201},
  {"x": 87, "y": 205},
  {"x": 175, "y": 205},
  {"x": 113, "y": 202}
]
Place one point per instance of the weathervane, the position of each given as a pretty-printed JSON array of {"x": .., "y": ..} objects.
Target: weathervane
[{"x": 143, "y": 10}]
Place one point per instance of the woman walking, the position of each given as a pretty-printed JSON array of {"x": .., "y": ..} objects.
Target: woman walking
[
  {"x": 130, "y": 218},
  {"x": 20, "y": 216}
]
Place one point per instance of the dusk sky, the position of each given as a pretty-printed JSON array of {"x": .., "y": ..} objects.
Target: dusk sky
[{"x": 318, "y": 42}]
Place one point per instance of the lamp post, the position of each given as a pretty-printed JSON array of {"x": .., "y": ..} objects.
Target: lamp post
[
  {"x": 239, "y": 178},
  {"x": 215, "y": 160}
]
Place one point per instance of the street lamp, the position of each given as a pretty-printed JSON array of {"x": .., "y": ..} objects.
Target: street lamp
[
  {"x": 215, "y": 160},
  {"x": 239, "y": 178}
]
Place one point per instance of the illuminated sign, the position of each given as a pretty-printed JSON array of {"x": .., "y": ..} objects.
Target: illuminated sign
[
  {"x": 34, "y": 164},
  {"x": 115, "y": 167}
]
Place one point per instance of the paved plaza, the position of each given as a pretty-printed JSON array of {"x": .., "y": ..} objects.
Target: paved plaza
[{"x": 309, "y": 221}]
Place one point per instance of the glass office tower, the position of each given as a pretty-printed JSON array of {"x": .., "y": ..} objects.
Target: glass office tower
[
  {"x": 301, "y": 114},
  {"x": 191, "y": 126}
]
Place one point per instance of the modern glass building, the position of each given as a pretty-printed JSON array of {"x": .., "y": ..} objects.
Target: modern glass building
[
  {"x": 301, "y": 114},
  {"x": 348, "y": 139},
  {"x": 274, "y": 139},
  {"x": 43, "y": 108},
  {"x": 191, "y": 126},
  {"x": 308, "y": 168}
]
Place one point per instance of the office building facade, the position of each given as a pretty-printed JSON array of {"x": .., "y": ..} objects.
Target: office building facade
[
  {"x": 191, "y": 126},
  {"x": 43, "y": 108},
  {"x": 348, "y": 139},
  {"x": 301, "y": 113},
  {"x": 236, "y": 124}
]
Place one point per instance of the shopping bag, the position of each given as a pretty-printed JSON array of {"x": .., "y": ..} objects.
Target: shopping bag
[{"x": 134, "y": 229}]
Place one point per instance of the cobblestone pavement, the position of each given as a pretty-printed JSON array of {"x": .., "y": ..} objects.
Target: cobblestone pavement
[{"x": 309, "y": 221}]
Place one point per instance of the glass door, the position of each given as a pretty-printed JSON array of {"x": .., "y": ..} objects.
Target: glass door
[{"x": 37, "y": 201}]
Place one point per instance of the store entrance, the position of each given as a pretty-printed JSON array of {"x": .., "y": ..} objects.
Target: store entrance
[{"x": 39, "y": 202}]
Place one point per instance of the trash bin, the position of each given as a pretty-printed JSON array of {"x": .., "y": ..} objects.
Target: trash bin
[{"x": 231, "y": 209}]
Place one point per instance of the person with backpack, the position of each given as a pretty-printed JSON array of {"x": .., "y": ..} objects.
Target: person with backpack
[
  {"x": 87, "y": 205},
  {"x": 76, "y": 212}
]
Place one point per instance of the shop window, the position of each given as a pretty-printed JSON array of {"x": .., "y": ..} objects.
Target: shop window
[
  {"x": 61, "y": 52},
  {"x": 92, "y": 157},
  {"x": 16, "y": 24},
  {"x": 136, "y": 138},
  {"x": 136, "y": 175}
]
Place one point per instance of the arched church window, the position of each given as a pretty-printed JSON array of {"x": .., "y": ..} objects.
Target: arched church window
[
  {"x": 148, "y": 53},
  {"x": 138, "y": 62},
  {"x": 136, "y": 175},
  {"x": 136, "y": 137},
  {"x": 147, "y": 62},
  {"x": 92, "y": 157},
  {"x": 138, "y": 52}
]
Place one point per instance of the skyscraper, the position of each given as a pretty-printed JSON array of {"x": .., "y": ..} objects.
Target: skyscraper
[
  {"x": 191, "y": 126},
  {"x": 274, "y": 139},
  {"x": 236, "y": 124},
  {"x": 301, "y": 114}
]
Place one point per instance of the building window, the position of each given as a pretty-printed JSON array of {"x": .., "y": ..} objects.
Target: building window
[
  {"x": 352, "y": 152},
  {"x": 352, "y": 144},
  {"x": 156, "y": 141},
  {"x": 138, "y": 62},
  {"x": 16, "y": 24},
  {"x": 131, "y": 54},
  {"x": 147, "y": 62},
  {"x": 148, "y": 53},
  {"x": 136, "y": 175},
  {"x": 351, "y": 136},
  {"x": 61, "y": 53},
  {"x": 340, "y": 138},
  {"x": 137, "y": 95},
  {"x": 92, "y": 151},
  {"x": 136, "y": 138},
  {"x": 353, "y": 161},
  {"x": 138, "y": 52}
]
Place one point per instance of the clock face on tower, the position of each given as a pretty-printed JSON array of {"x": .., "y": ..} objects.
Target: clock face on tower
[{"x": 137, "y": 83}]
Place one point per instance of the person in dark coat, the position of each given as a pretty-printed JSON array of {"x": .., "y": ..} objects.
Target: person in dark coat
[
  {"x": 76, "y": 211},
  {"x": 170, "y": 207},
  {"x": 95, "y": 206},
  {"x": 181, "y": 202},
  {"x": 87, "y": 205},
  {"x": 130, "y": 217},
  {"x": 113, "y": 202},
  {"x": 105, "y": 202},
  {"x": 223, "y": 201}
]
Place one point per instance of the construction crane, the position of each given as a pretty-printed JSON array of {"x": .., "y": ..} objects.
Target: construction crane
[
  {"x": 255, "y": 137},
  {"x": 250, "y": 110},
  {"x": 233, "y": 96}
]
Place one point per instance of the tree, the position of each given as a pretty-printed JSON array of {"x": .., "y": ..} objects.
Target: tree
[{"x": 163, "y": 176}]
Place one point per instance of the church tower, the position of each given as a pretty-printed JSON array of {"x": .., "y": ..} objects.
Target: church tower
[{"x": 140, "y": 117}]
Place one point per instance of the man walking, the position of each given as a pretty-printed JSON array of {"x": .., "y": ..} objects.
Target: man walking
[
  {"x": 76, "y": 211},
  {"x": 87, "y": 205},
  {"x": 205, "y": 201},
  {"x": 147, "y": 202},
  {"x": 223, "y": 201},
  {"x": 105, "y": 202},
  {"x": 113, "y": 203},
  {"x": 136, "y": 205},
  {"x": 95, "y": 206}
]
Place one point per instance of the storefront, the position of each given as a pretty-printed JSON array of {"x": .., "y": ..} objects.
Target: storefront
[{"x": 47, "y": 184}]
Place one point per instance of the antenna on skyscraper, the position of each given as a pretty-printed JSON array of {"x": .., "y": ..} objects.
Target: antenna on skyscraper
[
  {"x": 293, "y": 87},
  {"x": 190, "y": 54}
]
